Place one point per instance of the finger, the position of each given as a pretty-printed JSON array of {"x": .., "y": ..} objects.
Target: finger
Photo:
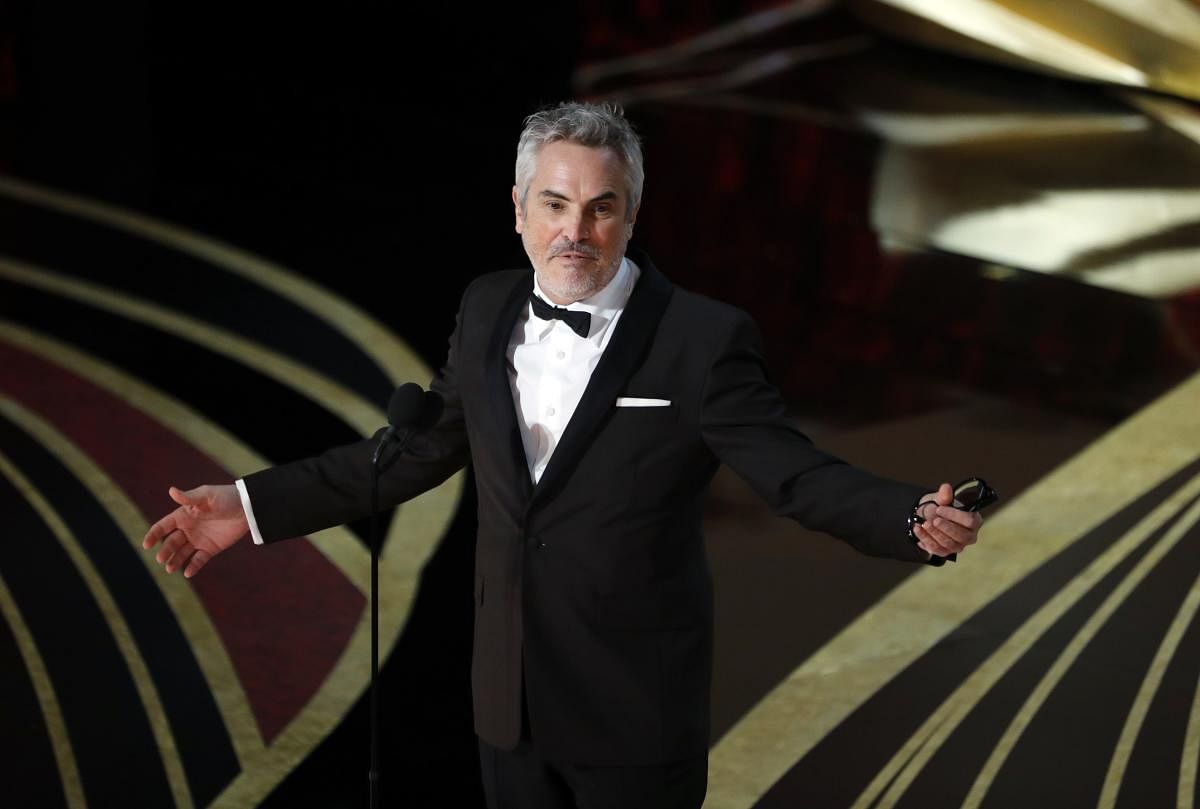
[
  {"x": 193, "y": 498},
  {"x": 933, "y": 542},
  {"x": 951, "y": 535},
  {"x": 929, "y": 547},
  {"x": 159, "y": 530},
  {"x": 968, "y": 519},
  {"x": 173, "y": 545},
  {"x": 199, "y": 559},
  {"x": 933, "y": 549},
  {"x": 927, "y": 508},
  {"x": 959, "y": 534},
  {"x": 945, "y": 494},
  {"x": 180, "y": 559}
]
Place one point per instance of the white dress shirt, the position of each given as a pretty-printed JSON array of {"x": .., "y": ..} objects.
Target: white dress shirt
[{"x": 549, "y": 367}]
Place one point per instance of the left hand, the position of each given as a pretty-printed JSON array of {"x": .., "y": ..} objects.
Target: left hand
[{"x": 946, "y": 529}]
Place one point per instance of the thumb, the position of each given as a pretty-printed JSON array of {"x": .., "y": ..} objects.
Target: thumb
[
  {"x": 945, "y": 495},
  {"x": 181, "y": 497}
]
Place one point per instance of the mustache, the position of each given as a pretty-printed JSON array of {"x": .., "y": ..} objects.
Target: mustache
[{"x": 575, "y": 247}]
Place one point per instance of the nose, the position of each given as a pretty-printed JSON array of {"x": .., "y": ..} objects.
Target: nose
[{"x": 577, "y": 228}]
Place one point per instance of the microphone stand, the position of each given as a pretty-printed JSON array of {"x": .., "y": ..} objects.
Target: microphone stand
[
  {"x": 410, "y": 411},
  {"x": 376, "y": 541}
]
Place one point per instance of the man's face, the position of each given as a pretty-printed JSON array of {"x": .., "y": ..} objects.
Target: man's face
[{"x": 575, "y": 224}]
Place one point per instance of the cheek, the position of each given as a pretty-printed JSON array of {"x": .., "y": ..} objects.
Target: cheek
[
  {"x": 537, "y": 232},
  {"x": 614, "y": 238}
]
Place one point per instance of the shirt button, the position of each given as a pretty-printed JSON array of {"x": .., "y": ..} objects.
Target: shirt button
[
  {"x": 561, "y": 354},
  {"x": 549, "y": 411}
]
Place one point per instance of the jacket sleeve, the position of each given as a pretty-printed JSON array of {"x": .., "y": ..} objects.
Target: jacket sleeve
[
  {"x": 744, "y": 422},
  {"x": 334, "y": 487}
]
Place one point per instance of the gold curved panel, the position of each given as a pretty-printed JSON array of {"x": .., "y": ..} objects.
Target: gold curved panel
[{"x": 1082, "y": 493}]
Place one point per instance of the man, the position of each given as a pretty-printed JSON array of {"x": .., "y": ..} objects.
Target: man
[{"x": 595, "y": 401}]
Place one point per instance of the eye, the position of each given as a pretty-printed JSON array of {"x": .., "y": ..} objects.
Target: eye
[
  {"x": 554, "y": 205},
  {"x": 603, "y": 209}
]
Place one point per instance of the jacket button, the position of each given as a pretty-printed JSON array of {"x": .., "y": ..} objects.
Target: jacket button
[{"x": 539, "y": 544}]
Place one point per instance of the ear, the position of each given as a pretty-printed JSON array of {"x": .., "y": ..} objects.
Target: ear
[{"x": 520, "y": 215}]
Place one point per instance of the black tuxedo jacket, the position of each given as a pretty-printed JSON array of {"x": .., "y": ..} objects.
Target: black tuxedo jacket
[{"x": 592, "y": 592}]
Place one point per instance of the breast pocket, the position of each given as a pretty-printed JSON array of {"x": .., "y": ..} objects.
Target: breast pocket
[{"x": 644, "y": 416}]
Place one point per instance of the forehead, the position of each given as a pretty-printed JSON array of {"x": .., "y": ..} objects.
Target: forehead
[{"x": 564, "y": 166}]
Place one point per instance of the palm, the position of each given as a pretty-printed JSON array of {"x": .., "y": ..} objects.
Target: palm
[
  {"x": 208, "y": 521},
  {"x": 207, "y": 530}
]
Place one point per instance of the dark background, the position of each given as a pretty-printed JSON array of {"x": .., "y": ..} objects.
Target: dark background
[{"x": 366, "y": 146}]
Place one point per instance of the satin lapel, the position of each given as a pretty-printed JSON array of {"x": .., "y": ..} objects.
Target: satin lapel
[
  {"x": 500, "y": 391},
  {"x": 625, "y": 349}
]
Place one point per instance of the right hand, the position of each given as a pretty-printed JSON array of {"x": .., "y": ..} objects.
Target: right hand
[{"x": 209, "y": 520}]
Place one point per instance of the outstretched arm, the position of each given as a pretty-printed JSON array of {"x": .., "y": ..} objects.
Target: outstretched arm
[
  {"x": 209, "y": 520},
  {"x": 744, "y": 423}
]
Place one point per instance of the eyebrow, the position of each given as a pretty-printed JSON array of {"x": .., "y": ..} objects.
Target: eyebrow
[{"x": 607, "y": 195}]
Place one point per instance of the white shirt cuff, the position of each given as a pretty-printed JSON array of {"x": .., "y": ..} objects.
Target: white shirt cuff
[{"x": 249, "y": 509}]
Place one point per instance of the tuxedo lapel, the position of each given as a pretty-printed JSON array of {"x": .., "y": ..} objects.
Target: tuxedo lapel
[
  {"x": 625, "y": 349},
  {"x": 499, "y": 388}
]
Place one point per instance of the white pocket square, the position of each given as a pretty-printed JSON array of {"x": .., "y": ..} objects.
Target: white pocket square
[{"x": 633, "y": 401}]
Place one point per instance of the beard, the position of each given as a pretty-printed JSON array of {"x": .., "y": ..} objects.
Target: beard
[{"x": 571, "y": 284}]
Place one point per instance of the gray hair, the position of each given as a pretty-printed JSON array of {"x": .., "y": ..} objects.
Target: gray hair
[{"x": 596, "y": 125}]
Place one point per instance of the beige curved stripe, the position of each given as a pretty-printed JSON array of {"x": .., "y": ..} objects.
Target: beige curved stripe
[
  {"x": 334, "y": 397},
  {"x": 1068, "y": 503},
  {"x": 423, "y": 518},
  {"x": 917, "y": 745},
  {"x": 56, "y": 728},
  {"x": 1146, "y": 694},
  {"x": 411, "y": 538},
  {"x": 755, "y": 69},
  {"x": 1066, "y": 658},
  {"x": 138, "y": 670},
  {"x": 374, "y": 339},
  {"x": 744, "y": 28},
  {"x": 1189, "y": 760},
  {"x": 189, "y": 613},
  {"x": 995, "y": 24},
  {"x": 413, "y": 534},
  {"x": 908, "y": 763}
]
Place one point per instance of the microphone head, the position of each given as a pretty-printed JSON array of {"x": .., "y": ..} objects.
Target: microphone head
[{"x": 407, "y": 405}]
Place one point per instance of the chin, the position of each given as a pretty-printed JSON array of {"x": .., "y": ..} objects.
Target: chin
[{"x": 573, "y": 289}]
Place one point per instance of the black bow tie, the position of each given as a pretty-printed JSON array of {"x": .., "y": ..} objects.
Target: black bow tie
[{"x": 580, "y": 322}]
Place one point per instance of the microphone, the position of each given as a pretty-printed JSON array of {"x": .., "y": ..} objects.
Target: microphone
[{"x": 411, "y": 410}]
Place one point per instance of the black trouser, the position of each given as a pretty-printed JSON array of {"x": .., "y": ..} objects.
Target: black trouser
[{"x": 524, "y": 779}]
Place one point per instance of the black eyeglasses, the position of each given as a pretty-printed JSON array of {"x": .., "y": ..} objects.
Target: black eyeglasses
[{"x": 973, "y": 494}]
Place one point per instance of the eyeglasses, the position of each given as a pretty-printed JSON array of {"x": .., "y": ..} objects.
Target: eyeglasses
[{"x": 972, "y": 494}]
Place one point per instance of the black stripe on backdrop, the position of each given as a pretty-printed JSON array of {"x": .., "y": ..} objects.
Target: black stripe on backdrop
[
  {"x": 114, "y": 748},
  {"x": 95, "y": 252},
  {"x": 23, "y": 762},
  {"x": 209, "y": 382},
  {"x": 200, "y": 734},
  {"x": 952, "y": 771},
  {"x": 841, "y": 765}
]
